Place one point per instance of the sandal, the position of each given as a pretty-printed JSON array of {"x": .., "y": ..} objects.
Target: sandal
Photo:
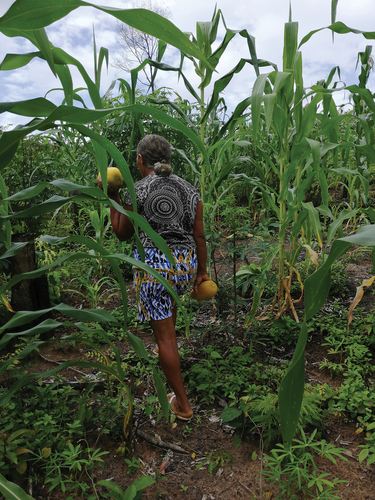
[{"x": 171, "y": 397}]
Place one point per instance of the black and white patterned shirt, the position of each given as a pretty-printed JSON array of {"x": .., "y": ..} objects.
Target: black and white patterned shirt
[{"x": 169, "y": 205}]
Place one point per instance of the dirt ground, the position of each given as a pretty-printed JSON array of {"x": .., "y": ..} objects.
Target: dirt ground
[{"x": 238, "y": 474}]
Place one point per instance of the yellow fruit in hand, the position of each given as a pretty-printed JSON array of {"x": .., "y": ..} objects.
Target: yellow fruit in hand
[
  {"x": 206, "y": 290},
  {"x": 114, "y": 178}
]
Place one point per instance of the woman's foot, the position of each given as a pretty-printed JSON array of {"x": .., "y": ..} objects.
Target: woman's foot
[{"x": 180, "y": 413}]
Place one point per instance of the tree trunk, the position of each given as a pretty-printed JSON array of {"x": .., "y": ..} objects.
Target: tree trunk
[{"x": 28, "y": 294}]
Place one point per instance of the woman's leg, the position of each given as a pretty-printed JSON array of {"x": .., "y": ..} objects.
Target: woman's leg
[
  {"x": 169, "y": 358},
  {"x": 174, "y": 317}
]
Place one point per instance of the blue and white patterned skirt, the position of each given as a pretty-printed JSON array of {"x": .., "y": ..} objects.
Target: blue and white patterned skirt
[{"x": 155, "y": 303}]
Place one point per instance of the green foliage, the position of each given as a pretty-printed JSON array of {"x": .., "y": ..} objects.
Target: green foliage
[
  {"x": 133, "y": 465},
  {"x": 133, "y": 492},
  {"x": 63, "y": 468},
  {"x": 339, "y": 276},
  {"x": 12, "y": 491},
  {"x": 215, "y": 459},
  {"x": 284, "y": 331},
  {"x": 295, "y": 469},
  {"x": 224, "y": 375},
  {"x": 12, "y": 452},
  {"x": 368, "y": 449},
  {"x": 258, "y": 411}
]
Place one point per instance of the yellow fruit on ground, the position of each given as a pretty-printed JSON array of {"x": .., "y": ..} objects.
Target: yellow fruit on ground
[
  {"x": 114, "y": 178},
  {"x": 206, "y": 290}
]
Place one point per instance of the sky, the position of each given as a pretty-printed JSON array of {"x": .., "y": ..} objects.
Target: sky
[{"x": 263, "y": 19}]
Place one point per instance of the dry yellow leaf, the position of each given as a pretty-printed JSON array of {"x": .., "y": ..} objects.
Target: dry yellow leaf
[
  {"x": 46, "y": 452},
  {"x": 357, "y": 299},
  {"x": 193, "y": 455},
  {"x": 7, "y": 305},
  {"x": 313, "y": 256},
  {"x": 21, "y": 467},
  {"x": 174, "y": 425}
]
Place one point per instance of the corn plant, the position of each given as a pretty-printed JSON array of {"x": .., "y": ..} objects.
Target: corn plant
[
  {"x": 299, "y": 162},
  {"x": 304, "y": 130}
]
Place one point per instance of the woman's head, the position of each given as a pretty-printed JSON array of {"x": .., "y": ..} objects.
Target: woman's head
[{"x": 156, "y": 153}]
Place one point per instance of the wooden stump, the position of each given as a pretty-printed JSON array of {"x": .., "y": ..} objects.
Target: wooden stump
[{"x": 28, "y": 294}]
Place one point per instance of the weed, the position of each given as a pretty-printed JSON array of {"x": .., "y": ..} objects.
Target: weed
[
  {"x": 133, "y": 465},
  {"x": 258, "y": 411},
  {"x": 226, "y": 376},
  {"x": 63, "y": 469},
  {"x": 339, "y": 276},
  {"x": 12, "y": 452},
  {"x": 368, "y": 449},
  {"x": 216, "y": 458},
  {"x": 295, "y": 469}
]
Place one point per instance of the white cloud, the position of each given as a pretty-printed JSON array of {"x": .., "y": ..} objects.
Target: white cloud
[{"x": 264, "y": 19}]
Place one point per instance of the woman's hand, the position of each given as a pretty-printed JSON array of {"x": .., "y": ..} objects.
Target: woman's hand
[
  {"x": 111, "y": 192},
  {"x": 199, "y": 279}
]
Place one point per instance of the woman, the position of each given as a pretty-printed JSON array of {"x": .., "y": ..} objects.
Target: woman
[{"x": 174, "y": 210}]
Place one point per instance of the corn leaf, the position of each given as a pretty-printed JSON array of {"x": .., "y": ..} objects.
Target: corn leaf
[
  {"x": 12, "y": 491},
  {"x": 340, "y": 28},
  {"x": 26, "y": 15},
  {"x": 162, "y": 394},
  {"x": 291, "y": 389}
]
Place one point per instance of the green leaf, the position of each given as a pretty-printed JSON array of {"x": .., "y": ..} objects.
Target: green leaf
[
  {"x": 290, "y": 45},
  {"x": 340, "y": 28},
  {"x": 25, "y": 352},
  {"x": 256, "y": 102},
  {"x": 336, "y": 224},
  {"x": 162, "y": 394},
  {"x": 45, "y": 47},
  {"x": 24, "y": 317},
  {"x": 26, "y": 15},
  {"x": 15, "y": 61},
  {"x": 291, "y": 389},
  {"x": 363, "y": 455},
  {"x": 215, "y": 355},
  {"x": 333, "y": 11},
  {"x": 143, "y": 482},
  {"x": 314, "y": 220},
  {"x": 12, "y": 491},
  {"x": 112, "y": 487},
  {"x": 31, "y": 107},
  {"x": 130, "y": 492},
  {"x": 230, "y": 413},
  {"x": 15, "y": 435},
  {"x": 237, "y": 442},
  {"x": 45, "y": 326},
  {"x": 138, "y": 346},
  {"x": 5, "y": 397}
]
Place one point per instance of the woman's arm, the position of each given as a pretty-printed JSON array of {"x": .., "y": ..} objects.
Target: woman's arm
[
  {"x": 122, "y": 225},
  {"x": 200, "y": 241}
]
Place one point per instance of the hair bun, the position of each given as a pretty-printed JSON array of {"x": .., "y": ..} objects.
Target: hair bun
[{"x": 162, "y": 168}]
